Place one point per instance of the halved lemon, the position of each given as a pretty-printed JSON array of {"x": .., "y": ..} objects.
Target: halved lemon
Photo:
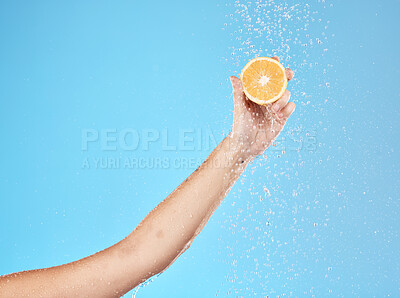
[{"x": 264, "y": 80}]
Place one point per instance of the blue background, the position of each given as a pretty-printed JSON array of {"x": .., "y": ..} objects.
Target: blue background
[{"x": 320, "y": 219}]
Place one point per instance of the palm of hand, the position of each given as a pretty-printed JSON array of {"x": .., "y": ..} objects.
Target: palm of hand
[{"x": 257, "y": 126}]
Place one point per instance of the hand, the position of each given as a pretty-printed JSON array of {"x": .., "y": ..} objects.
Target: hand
[{"x": 255, "y": 126}]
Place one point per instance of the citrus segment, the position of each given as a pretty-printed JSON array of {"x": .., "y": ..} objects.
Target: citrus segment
[{"x": 264, "y": 80}]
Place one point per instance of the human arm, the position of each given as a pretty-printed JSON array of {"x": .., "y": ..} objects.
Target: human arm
[{"x": 168, "y": 230}]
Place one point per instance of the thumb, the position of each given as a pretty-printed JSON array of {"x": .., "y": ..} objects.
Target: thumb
[{"x": 238, "y": 95}]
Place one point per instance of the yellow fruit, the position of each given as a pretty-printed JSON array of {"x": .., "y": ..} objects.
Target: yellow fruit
[{"x": 264, "y": 80}]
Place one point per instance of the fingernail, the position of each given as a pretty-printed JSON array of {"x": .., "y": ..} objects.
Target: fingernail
[
  {"x": 275, "y": 108},
  {"x": 281, "y": 115}
]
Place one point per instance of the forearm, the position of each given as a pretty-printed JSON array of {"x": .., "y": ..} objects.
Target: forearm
[{"x": 168, "y": 230}]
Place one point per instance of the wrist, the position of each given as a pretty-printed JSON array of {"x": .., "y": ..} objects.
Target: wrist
[{"x": 239, "y": 148}]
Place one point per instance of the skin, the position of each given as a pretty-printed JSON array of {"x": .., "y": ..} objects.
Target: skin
[{"x": 169, "y": 229}]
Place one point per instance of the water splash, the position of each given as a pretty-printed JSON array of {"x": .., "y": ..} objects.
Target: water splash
[
  {"x": 143, "y": 284},
  {"x": 262, "y": 232}
]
